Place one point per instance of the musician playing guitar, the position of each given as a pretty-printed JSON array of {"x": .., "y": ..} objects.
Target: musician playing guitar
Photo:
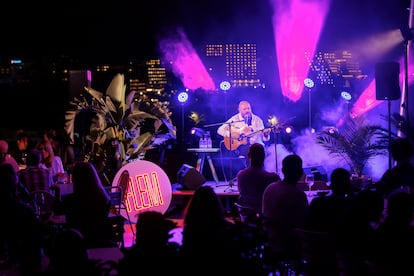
[{"x": 246, "y": 129}]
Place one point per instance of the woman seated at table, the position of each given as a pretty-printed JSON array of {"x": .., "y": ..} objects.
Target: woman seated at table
[{"x": 87, "y": 208}]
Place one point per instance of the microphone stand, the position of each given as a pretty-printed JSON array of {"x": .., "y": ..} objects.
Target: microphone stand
[
  {"x": 230, "y": 183},
  {"x": 231, "y": 161},
  {"x": 275, "y": 138}
]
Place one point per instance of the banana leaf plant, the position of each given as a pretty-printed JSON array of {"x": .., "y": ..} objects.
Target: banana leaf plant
[
  {"x": 115, "y": 127},
  {"x": 356, "y": 142}
]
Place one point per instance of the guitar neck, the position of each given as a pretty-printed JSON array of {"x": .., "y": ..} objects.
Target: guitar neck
[{"x": 256, "y": 132}]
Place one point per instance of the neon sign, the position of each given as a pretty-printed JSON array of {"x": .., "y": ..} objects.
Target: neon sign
[{"x": 145, "y": 187}]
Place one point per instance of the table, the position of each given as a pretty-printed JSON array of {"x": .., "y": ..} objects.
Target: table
[
  {"x": 204, "y": 153},
  {"x": 313, "y": 194},
  {"x": 220, "y": 190},
  {"x": 65, "y": 189}
]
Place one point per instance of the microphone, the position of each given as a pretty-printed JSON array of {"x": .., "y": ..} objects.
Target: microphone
[{"x": 246, "y": 119}]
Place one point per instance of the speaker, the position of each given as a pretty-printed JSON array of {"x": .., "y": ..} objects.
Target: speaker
[
  {"x": 318, "y": 171},
  {"x": 78, "y": 79},
  {"x": 189, "y": 177},
  {"x": 387, "y": 80}
]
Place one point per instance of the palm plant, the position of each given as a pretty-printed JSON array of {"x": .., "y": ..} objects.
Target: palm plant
[
  {"x": 356, "y": 142},
  {"x": 117, "y": 120}
]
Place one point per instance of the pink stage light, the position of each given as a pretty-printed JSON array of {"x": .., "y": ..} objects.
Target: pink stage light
[
  {"x": 297, "y": 26},
  {"x": 185, "y": 62}
]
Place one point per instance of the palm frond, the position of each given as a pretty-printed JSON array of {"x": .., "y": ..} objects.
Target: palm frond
[
  {"x": 118, "y": 118},
  {"x": 116, "y": 91},
  {"x": 356, "y": 143}
]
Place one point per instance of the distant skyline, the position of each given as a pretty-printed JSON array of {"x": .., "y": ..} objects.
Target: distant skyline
[{"x": 125, "y": 29}]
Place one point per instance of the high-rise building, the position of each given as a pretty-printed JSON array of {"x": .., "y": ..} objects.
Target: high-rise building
[
  {"x": 240, "y": 63},
  {"x": 157, "y": 76},
  {"x": 329, "y": 66}
]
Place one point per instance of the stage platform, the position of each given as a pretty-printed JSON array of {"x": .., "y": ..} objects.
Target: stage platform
[{"x": 227, "y": 193}]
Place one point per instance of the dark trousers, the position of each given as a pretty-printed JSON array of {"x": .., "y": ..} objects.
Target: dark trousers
[{"x": 234, "y": 161}]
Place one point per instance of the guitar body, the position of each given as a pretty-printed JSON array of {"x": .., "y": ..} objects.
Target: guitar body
[
  {"x": 234, "y": 143},
  {"x": 238, "y": 139}
]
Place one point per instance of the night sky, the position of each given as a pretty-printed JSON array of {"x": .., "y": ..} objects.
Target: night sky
[
  {"x": 115, "y": 31},
  {"x": 112, "y": 29}
]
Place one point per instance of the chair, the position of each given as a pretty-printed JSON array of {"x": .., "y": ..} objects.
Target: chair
[
  {"x": 319, "y": 252},
  {"x": 283, "y": 252},
  {"x": 123, "y": 182},
  {"x": 254, "y": 237},
  {"x": 44, "y": 203},
  {"x": 248, "y": 216},
  {"x": 115, "y": 193},
  {"x": 116, "y": 220}
]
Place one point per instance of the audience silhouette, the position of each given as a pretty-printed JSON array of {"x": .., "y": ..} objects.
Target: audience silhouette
[
  {"x": 401, "y": 175},
  {"x": 35, "y": 177},
  {"x": 253, "y": 180},
  {"x": 396, "y": 236},
  {"x": 20, "y": 233},
  {"x": 69, "y": 255},
  {"x": 209, "y": 240},
  {"x": 5, "y": 156},
  {"x": 87, "y": 208},
  {"x": 371, "y": 239},
  {"x": 152, "y": 244},
  {"x": 20, "y": 148},
  {"x": 51, "y": 161},
  {"x": 326, "y": 213},
  {"x": 357, "y": 238},
  {"x": 284, "y": 209}
]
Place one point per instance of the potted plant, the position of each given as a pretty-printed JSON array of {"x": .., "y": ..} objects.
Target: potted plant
[
  {"x": 355, "y": 142},
  {"x": 117, "y": 118}
]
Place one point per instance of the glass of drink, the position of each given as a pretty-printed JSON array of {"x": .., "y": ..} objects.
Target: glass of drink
[{"x": 310, "y": 179}]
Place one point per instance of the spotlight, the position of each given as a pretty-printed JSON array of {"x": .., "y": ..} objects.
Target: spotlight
[
  {"x": 289, "y": 129},
  {"x": 308, "y": 82},
  {"x": 330, "y": 129},
  {"x": 273, "y": 121},
  {"x": 225, "y": 85},
  {"x": 346, "y": 95},
  {"x": 199, "y": 132},
  {"x": 182, "y": 97}
]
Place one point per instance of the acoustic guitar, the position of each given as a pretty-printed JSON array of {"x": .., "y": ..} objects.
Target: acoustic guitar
[{"x": 238, "y": 139}]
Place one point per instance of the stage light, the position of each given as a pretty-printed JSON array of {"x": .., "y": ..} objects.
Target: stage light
[
  {"x": 273, "y": 121},
  {"x": 199, "y": 132},
  {"x": 346, "y": 95},
  {"x": 289, "y": 130},
  {"x": 182, "y": 97},
  {"x": 407, "y": 33},
  {"x": 225, "y": 85},
  {"x": 308, "y": 83},
  {"x": 330, "y": 129}
]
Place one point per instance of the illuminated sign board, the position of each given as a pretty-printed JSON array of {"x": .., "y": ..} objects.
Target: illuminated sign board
[{"x": 145, "y": 187}]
